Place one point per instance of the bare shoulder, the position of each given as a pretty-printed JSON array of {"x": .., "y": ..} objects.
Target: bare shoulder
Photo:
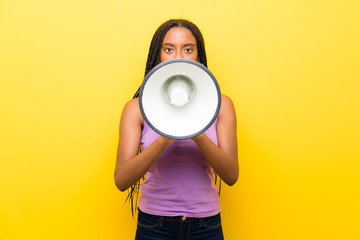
[
  {"x": 227, "y": 105},
  {"x": 132, "y": 103},
  {"x": 226, "y": 99},
  {"x": 132, "y": 111}
]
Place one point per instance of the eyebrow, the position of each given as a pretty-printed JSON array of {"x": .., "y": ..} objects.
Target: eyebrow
[{"x": 186, "y": 44}]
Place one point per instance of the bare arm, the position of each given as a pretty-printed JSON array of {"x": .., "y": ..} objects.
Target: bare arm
[
  {"x": 131, "y": 166},
  {"x": 223, "y": 159}
]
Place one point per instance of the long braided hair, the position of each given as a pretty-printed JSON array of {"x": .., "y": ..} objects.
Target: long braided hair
[{"x": 154, "y": 59}]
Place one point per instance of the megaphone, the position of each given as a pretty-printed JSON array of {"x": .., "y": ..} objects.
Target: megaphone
[{"x": 179, "y": 98}]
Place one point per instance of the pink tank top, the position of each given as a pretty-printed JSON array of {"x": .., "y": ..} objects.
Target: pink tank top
[{"x": 181, "y": 181}]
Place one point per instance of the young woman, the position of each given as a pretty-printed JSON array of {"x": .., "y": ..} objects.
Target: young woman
[{"x": 179, "y": 199}]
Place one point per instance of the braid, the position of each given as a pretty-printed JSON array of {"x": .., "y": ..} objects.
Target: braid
[{"x": 152, "y": 60}]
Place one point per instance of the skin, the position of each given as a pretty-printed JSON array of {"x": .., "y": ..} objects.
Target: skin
[{"x": 131, "y": 167}]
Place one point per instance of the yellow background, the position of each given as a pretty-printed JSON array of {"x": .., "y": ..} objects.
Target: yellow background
[{"x": 68, "y": 67}]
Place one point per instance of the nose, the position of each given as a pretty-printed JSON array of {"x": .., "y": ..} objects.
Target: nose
[{"x": 179, "y": 54}]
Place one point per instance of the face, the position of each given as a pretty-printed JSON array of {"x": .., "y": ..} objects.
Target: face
[{"x": 179, "y": 42}]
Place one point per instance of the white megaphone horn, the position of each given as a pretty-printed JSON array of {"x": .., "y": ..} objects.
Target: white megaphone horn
[{"x": 180, "y": 98}]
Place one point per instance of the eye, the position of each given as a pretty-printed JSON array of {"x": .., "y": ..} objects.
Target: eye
[
  {"x": 188, "y": 50},
  {"x": 168, "y": 50}
]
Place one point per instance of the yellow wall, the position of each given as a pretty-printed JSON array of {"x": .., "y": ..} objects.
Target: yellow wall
[{"x": 291, "y": 67}]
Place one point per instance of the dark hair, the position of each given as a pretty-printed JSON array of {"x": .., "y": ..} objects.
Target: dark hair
[
  {"x": 154, "y": 59},
  {"x": 158, "y": 38}
]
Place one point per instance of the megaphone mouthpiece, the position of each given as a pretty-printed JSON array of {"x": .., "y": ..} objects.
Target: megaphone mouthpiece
[{"x": 178, "y": 92}]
